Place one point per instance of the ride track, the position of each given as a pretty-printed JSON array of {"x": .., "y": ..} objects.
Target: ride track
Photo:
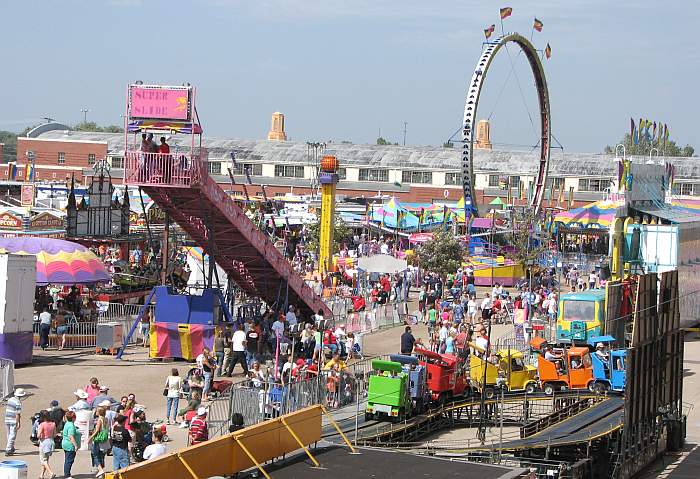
[
  {"x": 470, "y": 110},
  {"x": 598, "y": 419}
]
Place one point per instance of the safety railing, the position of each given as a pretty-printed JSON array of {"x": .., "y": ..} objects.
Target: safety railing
[
  {"x": 83, "y": 334},
  {"x": 258, "y": 401},
  {"x": 374, "y": 316},
  {"x": 165, "y": 169}
]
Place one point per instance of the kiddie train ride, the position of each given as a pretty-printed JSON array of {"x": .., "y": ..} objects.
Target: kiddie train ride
[{"x": 406, "y": 385}]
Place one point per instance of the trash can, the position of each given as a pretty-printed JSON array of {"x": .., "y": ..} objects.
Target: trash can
[{"x": 13, "y": 470}]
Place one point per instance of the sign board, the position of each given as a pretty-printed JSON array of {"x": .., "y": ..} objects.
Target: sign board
[
  {"x": 159, "y": 102},
  {"x": 27, "y": 195},
  {"x": 46, "y": 221},
  {"x": 10, "y": 222}
]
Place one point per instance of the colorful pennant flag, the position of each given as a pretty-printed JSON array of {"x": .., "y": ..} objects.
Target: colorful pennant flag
[
  {"x": 633, "y": 131},
  {"x": 653, "y": 134},
  {"x": 538, "y": 25},
  {"x": 506, "y": 12},
  {"x": 489, "y": 31},
  {"x": 548, "y": 51},
  {"x": 29, "y": 172},
  {"x": 12, "y": 171}
]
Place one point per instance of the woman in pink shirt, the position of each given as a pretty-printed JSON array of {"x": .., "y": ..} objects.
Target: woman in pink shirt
[
  {"x": 92, "y": 389},
  {"x": 46, "y": 434}
]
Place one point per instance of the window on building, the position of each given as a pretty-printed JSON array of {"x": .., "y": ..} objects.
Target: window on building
[
  {"x": 53, "y": 175},
  {"x": 373, "y": 174},
  {"x": 214, "y": 167},
  {"x": 493, "y": 181},
  {"x": 425, "y": 177},
  {"x": 117, "y": 162},
  {"x": 91, "y": 159},
  {"x": 557, "y": 182},
  {"x": 593, "y": 184},
  {"x": 686, "y": 189},
  {"x": 342, "y": 173},
  {"x": 289, "y": 171},
  {"x": 453, "y": 178},
  {"x": 513, "y": 181},
  {"x": 61, "y": 158},
  {"x": 279, "y": 194},
  {"x": 255, "y": 169}
]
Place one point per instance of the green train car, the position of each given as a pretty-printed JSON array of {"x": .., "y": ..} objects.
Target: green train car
[{"x": 388, "y": 394}]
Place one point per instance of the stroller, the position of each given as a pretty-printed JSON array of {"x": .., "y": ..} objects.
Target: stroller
[{"x": 57, "y": 418}]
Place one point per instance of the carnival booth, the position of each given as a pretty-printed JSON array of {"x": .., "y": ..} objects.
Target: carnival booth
[{"x": 184, "y": 324}]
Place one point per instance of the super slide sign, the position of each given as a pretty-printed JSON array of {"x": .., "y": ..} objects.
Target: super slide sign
[{"x": 161, "y": 103}]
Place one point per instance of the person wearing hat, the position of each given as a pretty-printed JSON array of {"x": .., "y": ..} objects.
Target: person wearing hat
[
  {"x": 13, "y": 414},
  {"x": 102, "y": 397},
  {"x": 199, "y": 431},
  {"x": 601, "y": 352},
  {"x": 81, "y": 404}
]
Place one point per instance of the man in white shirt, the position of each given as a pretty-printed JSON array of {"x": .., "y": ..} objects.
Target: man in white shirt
[
  {"x": 340, "y": 336},
  {"x": 156, "y": 449},
  {"x": 486, "y": 307},
  {"x": 291, "y": 317},
  {"x": 44, "y": 328},
  {"x": 384, "y": 248},
  {"x": 471, "y": 308},
  {"x": 278, "y": 327},
  {"x": 238, "y": 346}
]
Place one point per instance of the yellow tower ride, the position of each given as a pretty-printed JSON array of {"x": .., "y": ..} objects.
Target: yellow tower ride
[{"x": 328, "y": 178}]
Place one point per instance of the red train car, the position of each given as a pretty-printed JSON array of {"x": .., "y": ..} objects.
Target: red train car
[{"x": 447, "y": 374}]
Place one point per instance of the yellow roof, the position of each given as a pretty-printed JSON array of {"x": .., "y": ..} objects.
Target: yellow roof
[{"x": 513, "y": 353}]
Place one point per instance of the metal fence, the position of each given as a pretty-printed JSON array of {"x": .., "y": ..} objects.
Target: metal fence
[
  {"x": 83, "y": 334},
  {"x": 7, "y": 377},
  {"x": 267, "y": 400}
]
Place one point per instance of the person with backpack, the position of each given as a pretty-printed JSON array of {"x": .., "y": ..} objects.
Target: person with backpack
[{"x": 120, "y": 443}]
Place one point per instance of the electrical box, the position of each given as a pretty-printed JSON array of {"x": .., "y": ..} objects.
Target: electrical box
[{"x": 17, "y": 290}]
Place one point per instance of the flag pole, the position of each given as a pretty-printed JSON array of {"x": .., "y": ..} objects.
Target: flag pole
[{"x": 503, "y": 33}]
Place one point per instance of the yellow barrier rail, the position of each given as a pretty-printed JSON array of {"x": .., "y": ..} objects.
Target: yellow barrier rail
[{"x": 237, "y": 451}]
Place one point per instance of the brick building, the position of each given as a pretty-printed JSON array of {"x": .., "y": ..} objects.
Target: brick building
[
  {"x": 57, "y": 159},
  {"x": 410, "y": 173}
]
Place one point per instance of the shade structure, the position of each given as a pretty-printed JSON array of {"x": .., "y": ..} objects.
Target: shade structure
[
  {"x": 59, "y": 261},
  {"x": 597, "y": 214},
  {"x": 497, "y": 201}
]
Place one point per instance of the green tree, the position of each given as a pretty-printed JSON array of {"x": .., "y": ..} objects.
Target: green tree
[
  {"x": 92, "y": 126},
  {"x": 643, "y": 148},
  {"x": 341, "y": 232},
  {"x": 448, "y": 144},
  {"x": 382, "y": 141},
  {"x": 442, "y": 255},
  {"x": 528, "y": 240}
]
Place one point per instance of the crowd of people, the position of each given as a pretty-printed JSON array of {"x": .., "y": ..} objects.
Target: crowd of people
[{"x": 119, "y": 428}]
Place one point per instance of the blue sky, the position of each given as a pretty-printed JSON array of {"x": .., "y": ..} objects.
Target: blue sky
[{"x": 343, "y": 69}]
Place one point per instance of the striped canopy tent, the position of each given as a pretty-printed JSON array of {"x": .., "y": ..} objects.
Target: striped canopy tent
[
  {"x": 599, "y": 214},
  {"x": 688, "y": 206},
  {"x": 393, "y": 215}
]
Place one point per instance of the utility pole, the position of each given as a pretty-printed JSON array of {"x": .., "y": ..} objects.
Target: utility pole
[{"x": 404, "y": 132}]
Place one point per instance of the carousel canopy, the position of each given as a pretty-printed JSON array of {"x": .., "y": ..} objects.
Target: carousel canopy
[{"x": 59, "y": 261}]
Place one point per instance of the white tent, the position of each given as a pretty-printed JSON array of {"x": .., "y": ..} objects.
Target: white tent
[{"x": 382, "y": 263}]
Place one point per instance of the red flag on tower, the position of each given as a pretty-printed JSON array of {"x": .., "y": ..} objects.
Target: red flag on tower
[
  {"x": 506, "y": 12},
  {"x": 489, "y": 31},
  {"x": 538, "y": 25},
  {"x": 548, "y": 52}
]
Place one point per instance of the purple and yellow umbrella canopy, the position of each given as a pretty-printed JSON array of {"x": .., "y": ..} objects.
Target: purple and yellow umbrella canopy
[{"x": 59, "y": 261}]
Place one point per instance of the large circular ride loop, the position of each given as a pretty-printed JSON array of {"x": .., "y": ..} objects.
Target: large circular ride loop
[{"x": 470, "y": 109}]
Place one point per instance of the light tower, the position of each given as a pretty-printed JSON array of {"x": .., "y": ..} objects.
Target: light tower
[{"x": 328, "y": 178}]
